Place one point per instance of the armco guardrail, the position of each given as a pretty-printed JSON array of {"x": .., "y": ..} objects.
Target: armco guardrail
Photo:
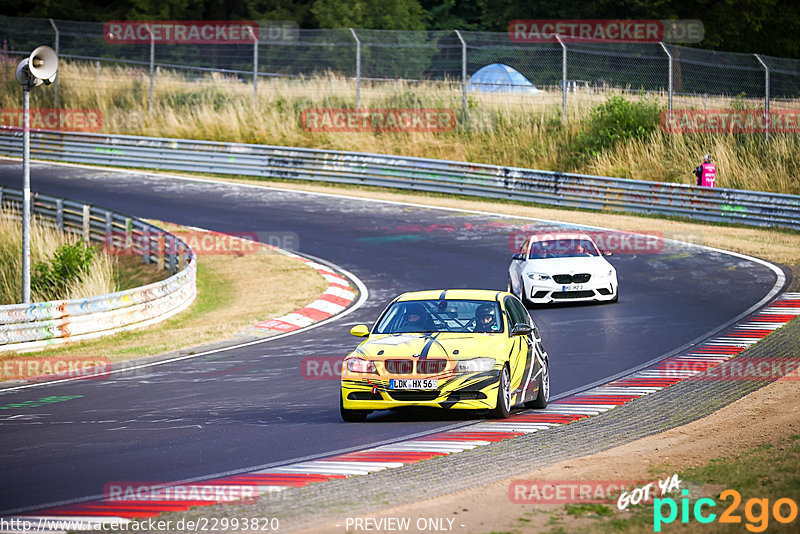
[
  {"x": 30, "y": 326},
  {"x": 543, "y": 187}
]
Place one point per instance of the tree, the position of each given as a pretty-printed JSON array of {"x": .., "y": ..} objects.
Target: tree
[{"x": 369, "y": 14}]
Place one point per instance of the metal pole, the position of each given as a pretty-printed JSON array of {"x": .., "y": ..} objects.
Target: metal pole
[
  {"x": 358, "y": 67},
  {"x": 669, "y": 82},
  {"x": 563, "y": 79},
  {"x": 766, "y": 95},
  {"x": 152, "y": 70},
  {"x": 26, "y": 194},
  {"x": 255, "y": 64},
  {"x": 463, "y": 73},
  {"x": 55, "y": 84}
]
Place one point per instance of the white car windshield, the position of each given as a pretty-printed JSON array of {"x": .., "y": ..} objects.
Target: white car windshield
[
  {"x": 422, "y": 316},
  {"x": 562, "y": 248}
]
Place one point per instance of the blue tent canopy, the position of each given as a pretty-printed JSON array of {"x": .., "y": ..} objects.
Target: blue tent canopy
[{"x": 500, "y": 78}]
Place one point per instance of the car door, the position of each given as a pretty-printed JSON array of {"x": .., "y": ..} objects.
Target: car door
[{"x": 522, "y": 360}]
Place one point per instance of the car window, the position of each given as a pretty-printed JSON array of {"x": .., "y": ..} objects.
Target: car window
[
  {"x": 521, "y": 312},
  {"x": 447, "y": 315},
  {"x": 562, "y": 248},
  {"x": 514, "y": 313}
]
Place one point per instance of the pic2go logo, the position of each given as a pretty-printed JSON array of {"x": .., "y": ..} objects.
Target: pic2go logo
[{"x": 756, "y": 511}]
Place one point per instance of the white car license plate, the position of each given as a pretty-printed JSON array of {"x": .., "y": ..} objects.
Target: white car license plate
[
  {"x": 412, "y": 383},
  {"x": 572, "y": 287}
]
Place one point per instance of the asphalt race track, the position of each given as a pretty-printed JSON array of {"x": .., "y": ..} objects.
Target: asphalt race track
[{"x": 250, "y": 406}]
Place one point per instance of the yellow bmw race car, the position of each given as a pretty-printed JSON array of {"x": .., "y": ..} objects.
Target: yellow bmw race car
[{"x": 461, "y": 349}]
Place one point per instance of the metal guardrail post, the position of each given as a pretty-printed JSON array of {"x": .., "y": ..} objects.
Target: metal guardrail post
[
  {"x": 669, "y": 79},
  {"x": 87, "y": 221},
  {"x": 152, "y": 66},
  {"x": 60, "y": 214},
  {"x": 146, "y": 248},
  {"x": 108, "y": 225},
  {"x": 55, "y": 84},
  {"x": 563, "y": 78},
  {"x": 463, "y": 73},
  {"x": 128, "y": 234},
  {"x": 766, "y": 95},
  {"x": 160, "y": 251},
  {"x": 358, "y": 67}
]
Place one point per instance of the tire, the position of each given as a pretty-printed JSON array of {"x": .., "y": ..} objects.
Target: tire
[
  {"x": 541, "y": 400},
  {"x": 503, "y": 408},
  {"x": 352, "y": 416}
]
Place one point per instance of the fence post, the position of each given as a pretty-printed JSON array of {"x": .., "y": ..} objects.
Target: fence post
[
  {"x": 255, "y": 64},
  {"x": 563, "y": 78},
  {"x": 358, "y": 68},
  {"x": 463, "y": 74},
  {"x": 669, "y": 81},
  {"x": 766, "y": 95},
  {"x": 152, "y": 58},
  {"x": 55, "y": 84}
]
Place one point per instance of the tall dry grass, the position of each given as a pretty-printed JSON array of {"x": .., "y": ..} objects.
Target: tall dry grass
[
  {"x": 44, "y": 241},
  {"x": 517, "y": 130}
]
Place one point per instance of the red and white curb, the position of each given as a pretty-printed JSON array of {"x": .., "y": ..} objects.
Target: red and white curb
[
  {"x": 335, "y": 299},
  {"x": 591, "y": 402}
]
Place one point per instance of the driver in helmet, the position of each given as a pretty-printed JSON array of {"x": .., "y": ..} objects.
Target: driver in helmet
[
  {"x": 417, "y": 319},
  {"x": 486, "y": 318}
]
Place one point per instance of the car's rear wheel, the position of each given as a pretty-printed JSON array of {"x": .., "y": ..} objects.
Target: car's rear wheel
[
  {"x": 352, "y": 416},
  {"x": 503, "y": 408},
  {"x": 544, "y": 389}
]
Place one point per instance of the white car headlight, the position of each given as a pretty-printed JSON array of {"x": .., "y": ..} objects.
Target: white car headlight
[
  {"x": 357, "y": 365},
  {"x": 538, "y": 276},
  {"x": 474, "y": 366}
]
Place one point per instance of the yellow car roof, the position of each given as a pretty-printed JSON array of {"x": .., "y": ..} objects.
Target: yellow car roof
[{"x": 454, "y": 294}]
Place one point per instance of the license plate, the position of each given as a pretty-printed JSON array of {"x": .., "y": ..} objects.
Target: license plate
[
  {"x": 572, "y": 287},
  {"x": 412, "y": 383}
]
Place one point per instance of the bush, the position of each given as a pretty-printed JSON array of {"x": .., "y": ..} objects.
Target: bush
[
  {"x": 68, "y": 265},
  {"x": 616, "y": 120}
]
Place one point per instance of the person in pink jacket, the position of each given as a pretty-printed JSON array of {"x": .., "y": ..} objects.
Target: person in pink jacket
[{"x": 706, "y": 173}]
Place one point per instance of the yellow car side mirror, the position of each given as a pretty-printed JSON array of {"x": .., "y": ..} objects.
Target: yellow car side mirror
[{"x": 360, "y": 330}]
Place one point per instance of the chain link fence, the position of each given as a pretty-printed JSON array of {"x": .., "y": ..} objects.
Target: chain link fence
[{"x": 378, "y": 60}]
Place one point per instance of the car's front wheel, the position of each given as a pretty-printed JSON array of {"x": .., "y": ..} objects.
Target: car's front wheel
[
  {"x": 503, "y": 408},
  {"x": 543, "y": 397},
  {"x": 352, "y": 416}
]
